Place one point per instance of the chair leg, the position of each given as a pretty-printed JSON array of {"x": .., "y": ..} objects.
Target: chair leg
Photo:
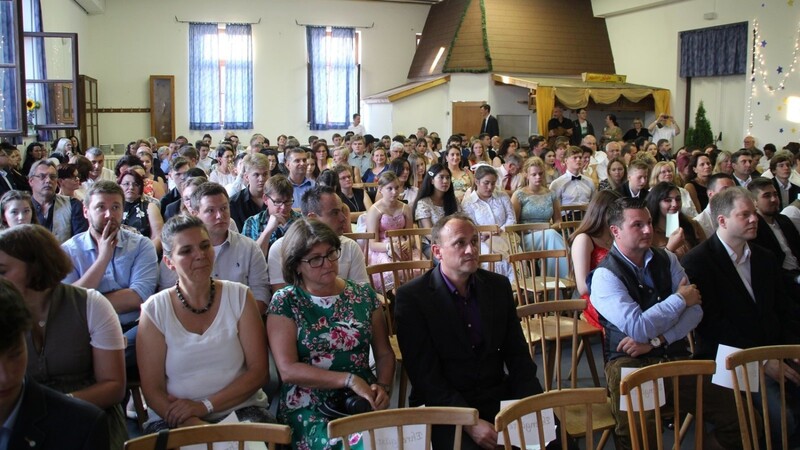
[
  {"x": 141, "y": 412},
  {"x": 687, "y": 422},
  {"x": 587, "y": 345},
  {"x": 603, "y": 439},
  {"x": 551, "y": 364},
  {"x": 402, "y": 395}
]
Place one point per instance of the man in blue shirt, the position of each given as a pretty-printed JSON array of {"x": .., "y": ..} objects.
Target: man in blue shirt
[
  {"x": 33, "y": 416},
  {"x": 297, "y": 163},
  {"x": 647, "y": 307},
  {"x": 121, "y": 264}
]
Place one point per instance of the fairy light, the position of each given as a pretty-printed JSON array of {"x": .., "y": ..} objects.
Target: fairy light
[
  {"x": 760, "y": 72},
  {"x": 2, "y": 96}
]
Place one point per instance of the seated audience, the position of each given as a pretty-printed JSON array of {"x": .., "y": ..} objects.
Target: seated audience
[
  {"x": 716, "y": 184},
  {"x": 697, "y": 183},
  {"x": 664, "y": 171},
  {"x": 723, "y": 163},
  {"x": 571, "y": 188},
  {"x": 224, "y": 171},
  {"x": 551, "y": 172},
  {"x": 589, "y": 244},
  {"x": 665, "y": 199},
  {"x": 744, "y": 303},
  {"x": 271, "y": 224},
  {"x": 389, "y": 213},
  {"x": 63, "y": 216},
  {"x": 461, "y": 178},
  {"x": 646, "y": 322},
  {"x": 486, "y": 206},
  {"x": 509, "y": 175},
  {"x": 76, "y": 345},
  {"x": 321, "y": 329},
  {"x": 617, "y": 174},
  {"x": 636, "y": 184},
  {"x": 435, "y": 200},
  {"x": 154, "y": 184},
  {"x": 743, "y": 167},
  {"x": 16, "y": 208},
  {"x": 356, "y": 199},
  {"x": 69, "y": 182},
  {"x": 407, "y": 192},
  {"x": 250, "y": 200},
  {"x": 202, "y": 351},
  {"x": 781, "y": 168},
  {"x": 34, "y": 416},
  {"x": 139, "y": 213},
  {"x": 177, "y": 175}
]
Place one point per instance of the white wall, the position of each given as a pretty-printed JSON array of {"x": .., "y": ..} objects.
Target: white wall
[
  {"x": 132, "y": 40},
  {"x": 645, "y": 44}
]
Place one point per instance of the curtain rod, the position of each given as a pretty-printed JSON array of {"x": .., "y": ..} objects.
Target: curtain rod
[
  {"x": 211, "y": 21},
  {"x": 334, "y": 26}
]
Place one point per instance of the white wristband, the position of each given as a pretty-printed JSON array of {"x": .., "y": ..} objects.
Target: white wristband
[{"x": 209, "y": 406}]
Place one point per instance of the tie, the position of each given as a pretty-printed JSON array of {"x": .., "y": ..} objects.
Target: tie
[
  {"x": 576, "y": 178},
  {"x": 485, "y": 125},
  {"x": 508, "y": 182}
]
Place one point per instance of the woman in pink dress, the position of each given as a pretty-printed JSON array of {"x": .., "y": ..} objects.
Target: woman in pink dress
[
  {"x": 589, "y": 245},
  {"x": 388, "y": 213}
]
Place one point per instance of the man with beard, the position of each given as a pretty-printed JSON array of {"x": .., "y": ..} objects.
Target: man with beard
[
  {"x": 62, "y": 215},
  {"x": 120, "y": 264}
]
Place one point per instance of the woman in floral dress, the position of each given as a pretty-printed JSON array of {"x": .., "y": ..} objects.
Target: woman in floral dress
[
  {"x": 140, "y": 214},
  {"x": 320, "y": 329}
]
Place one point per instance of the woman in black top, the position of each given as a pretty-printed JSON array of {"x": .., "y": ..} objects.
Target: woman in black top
[{"x": 353, "y": 198}]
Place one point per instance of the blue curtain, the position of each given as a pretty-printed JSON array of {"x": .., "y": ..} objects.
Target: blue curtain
[
  {"x": 204, "y": 111},
  {"x": 238, "y": 77},
  {"x": 333, "y": 77},
  {"x": 9, "y": 103},
  {"x": 714, "y": 51},
  {"x": 38, "y": 70}
]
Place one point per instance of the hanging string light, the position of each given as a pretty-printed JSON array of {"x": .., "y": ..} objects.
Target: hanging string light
[
  {"x": 2, "y": 96},
  {"x": 760, "y": 72}
]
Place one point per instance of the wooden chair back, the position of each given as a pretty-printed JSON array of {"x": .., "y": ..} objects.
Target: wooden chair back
[
  {"x": 271, "y": 434},
  {"x": 748, "y": 414},
  {"x": 561, "y": 402},
  {"x": 533, "y": 285},
  {"x": 567, "y": 228},
  {"x": 355, "y": 215},
  {"x": 368, "y": 423},
  {"x": 413, "y": 235},
  {"x": 573, "y": 212},
  {"x": 401, "y": 272},
  {"x": 492, "y": 229},
  {"x": 521, "y": 236},
  {"x": 363, "y": 241},
  {"x": 490, "y": 259},
  {"x": 668, "y": 371}
]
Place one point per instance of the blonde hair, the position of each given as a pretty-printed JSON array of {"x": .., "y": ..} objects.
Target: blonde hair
[
  {"x": 657, "y": 168},
  {"x": 533, "y": 161}
]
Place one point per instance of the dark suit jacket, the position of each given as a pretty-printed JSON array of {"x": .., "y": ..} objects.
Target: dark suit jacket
[
  {"x": 577, "y": 136},
  {"x": 766, "y": 238},
  {"x": 50, "y": 420},
  {"x": 794, "y": 191},
  {"x": 625, "y": 191},
  {"x": 730, "y": 316},
  {"x": 173, "y": 209},
  {"x": 490, "y": 126},
  {"x": 168, "y": 198},
  {"x": 443, "y": 368}
]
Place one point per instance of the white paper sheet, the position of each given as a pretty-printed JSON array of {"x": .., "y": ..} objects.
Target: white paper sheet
[
  {"x": 672, "y": 224},
  {"x": 723, "y": 377},
  {"x": 530, "y": 428},
  {"x": 647, "y": 392},
  {"x": 413, "y": 438}
]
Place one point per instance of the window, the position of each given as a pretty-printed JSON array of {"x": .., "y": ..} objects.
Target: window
[
  {"x": 220, "y": 76},
  {"x": 333, "y": 76}
]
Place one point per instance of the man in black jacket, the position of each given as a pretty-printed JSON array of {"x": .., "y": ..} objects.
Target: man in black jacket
[{"x": 489, "y": 124}]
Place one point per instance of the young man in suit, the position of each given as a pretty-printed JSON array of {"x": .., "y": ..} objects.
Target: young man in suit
[
  {"x": 744, "y": 304},
  {"x": 458, "y": 327},
  {"x": 489, "y": 123},
  {"x": 33, "y": 416}
]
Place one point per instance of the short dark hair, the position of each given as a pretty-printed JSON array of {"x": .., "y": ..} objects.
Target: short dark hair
[
  {"x": 487, "y": 107},
  {"x": 279, "y": 185},
  {"x": 301, "y": 237},
  {"x": 15, "y": 319},
  {"x": 310, "y": 201},
  {"x": 189, "y": 152},
  {"x": 37, "y": 247},
  {"x": 779, "y": 157},
  {"x": 759, "y": 184},
  {"x": 739, "y": 153},
  {"x": 207, "y": 189},
  {"x": 714, "y": 179},
  {"x": 615, "y": 215}
]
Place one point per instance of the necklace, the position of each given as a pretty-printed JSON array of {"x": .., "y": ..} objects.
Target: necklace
[
  {"x": 350, "y": 202},
  {"x": 188, "y": 306}
]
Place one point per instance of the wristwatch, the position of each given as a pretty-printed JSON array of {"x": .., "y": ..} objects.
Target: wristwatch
[
  {"x": 209, "y": 406},
  {"x": 655, "y": 342}
]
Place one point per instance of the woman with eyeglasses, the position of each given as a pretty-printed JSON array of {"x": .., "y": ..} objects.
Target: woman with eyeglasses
[
  {"x": 139, "y": 213},
  {"x": 69, "y": 181},
  {"x": 321, "y": 329},
  {"x": 201, "y": 348}
]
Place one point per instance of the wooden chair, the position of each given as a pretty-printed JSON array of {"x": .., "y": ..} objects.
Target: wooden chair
[
  {"x": 272, "y": 434},
  {"x": 490, "y": 259},
  {"x": 355, "y": 215},
  {"x": 413, "y": 235},
  {"x": 368, "y": 423},
  {"x": 533, "y": 284},
  {"x": 402, "y": 272},
  {"x": 517, "y": 233},
  {"x": 494, "y": 229},
  {"x": 548, "y": 325},
  {"x": 672, "y": 371},
  {"x": 134, "y": 386},
  {"x": 363, "y": 241},
  {"x": 561, "y": 402},
  {"x": 748, "y": 415},
  {"x": 573, "y": 212}
]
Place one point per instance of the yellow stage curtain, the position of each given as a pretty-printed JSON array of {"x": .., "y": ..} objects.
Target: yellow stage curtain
[
  {"x": 572, "y": 98},
  {"x": 545, "y": 101},
  {"x": 575, "y": 98},
  {"x": 661, "y": 97}
]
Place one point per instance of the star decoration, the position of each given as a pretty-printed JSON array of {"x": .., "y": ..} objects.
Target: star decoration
[
  {"x": 767, "y": 117},
  {"x": 794, "y": 130},
  {"x": 780, "y": 69},
  {"x": 753, "y": 79},
  {"x": 780, "y": 130},
  {"x": 758, "y": 103},
  {"x": 763, "y": 44}
]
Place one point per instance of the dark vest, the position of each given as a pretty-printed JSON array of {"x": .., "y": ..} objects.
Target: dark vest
[
  {"x": 645, "y": 296},
  {"x": 65, "y": 360}
]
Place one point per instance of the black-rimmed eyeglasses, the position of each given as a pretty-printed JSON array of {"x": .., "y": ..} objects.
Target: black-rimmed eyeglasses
[{"x": 317, "y": 261}]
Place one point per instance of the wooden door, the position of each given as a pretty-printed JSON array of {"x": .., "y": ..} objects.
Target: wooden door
[{"x": 467, "y": 118}]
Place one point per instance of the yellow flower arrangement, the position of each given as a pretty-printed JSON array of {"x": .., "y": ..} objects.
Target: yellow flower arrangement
[{"x": 32, "y": 104}]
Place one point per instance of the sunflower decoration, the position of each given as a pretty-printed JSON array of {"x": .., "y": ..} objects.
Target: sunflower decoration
[{"x": 32, "y": 104}]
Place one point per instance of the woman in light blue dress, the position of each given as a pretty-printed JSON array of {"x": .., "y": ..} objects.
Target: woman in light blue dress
[{"x": 534, "y": 203}]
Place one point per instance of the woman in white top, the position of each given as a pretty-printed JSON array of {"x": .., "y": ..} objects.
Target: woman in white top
[
  {"x": 201, "y": 346},
  {"x": 223, "y": 172},
  {"x": 487, "y": 206},
  {"x": 665, "y": 171}
]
